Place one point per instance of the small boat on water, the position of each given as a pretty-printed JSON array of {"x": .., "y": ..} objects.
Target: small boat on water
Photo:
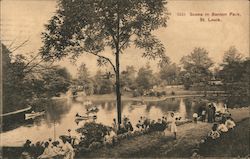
[
  {"x": 33, "y": 115},
  {"x": 84, "y": 117},
  {"x": 92, "y": 110}
]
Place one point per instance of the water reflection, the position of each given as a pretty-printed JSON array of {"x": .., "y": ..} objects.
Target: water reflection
[{"x": 60, "y": 116}]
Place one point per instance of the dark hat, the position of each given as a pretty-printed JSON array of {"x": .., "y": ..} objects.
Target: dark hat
[{"x": 28, "y": 141}]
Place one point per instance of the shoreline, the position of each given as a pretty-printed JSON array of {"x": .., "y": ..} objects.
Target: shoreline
[
  {"x": 238, "y": 114},
  {"x": 112, "y": 97},
  {"x": 188, "y": 136}
]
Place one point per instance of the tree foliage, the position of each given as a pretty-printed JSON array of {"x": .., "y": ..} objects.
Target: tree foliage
[
  {"x": 235, "y": 73},
  {"x": 145, "y": 79},
  {"x": 90, "y": 26},
  {"x": 84, "y": 79},
  {"x": 232, "y": 55},
  {"x": 197, "y": 64},
  {"x": 102, "y": 85},
  {"x": 233, "y": 67},
  {"x": 25, "y": 79},
  {"x": 170, "y": 72},
  {"x": 128, "y": 77}
]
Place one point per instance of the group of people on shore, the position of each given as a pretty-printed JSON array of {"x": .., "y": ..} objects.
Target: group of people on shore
[
  {"x": 211, "y": 113},
  {"x": 145, "y": 124},
  {"x": 223, "y": 122},
  {"x": 48, "y": 149},
  {"x": 65, "y": 148},
  {"x": 222, "y": 127}
]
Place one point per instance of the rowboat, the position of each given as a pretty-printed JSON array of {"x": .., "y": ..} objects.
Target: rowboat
[
  {"x": 33, "y": 115},
  {"x": 85, "y": 117},
  {"x": 92, "y": 110}
]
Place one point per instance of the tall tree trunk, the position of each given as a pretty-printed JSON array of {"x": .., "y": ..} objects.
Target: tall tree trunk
[
  {"x": 117, "y": 63},
  {"x": 118, "y": 93}
]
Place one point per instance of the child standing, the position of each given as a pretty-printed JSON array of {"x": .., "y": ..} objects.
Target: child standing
[{"x": 195, "y": 117}]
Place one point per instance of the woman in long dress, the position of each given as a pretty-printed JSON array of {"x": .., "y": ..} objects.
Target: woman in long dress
[{"x": 173, "y": 126}]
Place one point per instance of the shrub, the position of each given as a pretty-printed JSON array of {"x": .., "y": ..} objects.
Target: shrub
[
  {"x": 93, "y": 132},
  {"x": 95, "y": 145}
]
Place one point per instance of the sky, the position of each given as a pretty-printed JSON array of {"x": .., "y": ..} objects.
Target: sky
[{"x": 25, "y": 19}]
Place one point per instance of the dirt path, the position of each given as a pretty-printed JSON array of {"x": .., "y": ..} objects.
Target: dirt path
[{"x": 163, "y": 145}]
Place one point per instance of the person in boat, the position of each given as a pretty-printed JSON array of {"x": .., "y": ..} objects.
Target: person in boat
[
  {"x": 77, "y": 115},
  {"x": 93, "y": 109}
]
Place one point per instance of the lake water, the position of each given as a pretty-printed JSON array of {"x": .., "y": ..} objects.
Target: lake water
[{"x": 60, "y": 116}]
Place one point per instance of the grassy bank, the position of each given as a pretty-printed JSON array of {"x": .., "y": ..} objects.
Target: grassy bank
[
  {"x": 232, "y": 144},
  {"x": 159, "y": 145}
]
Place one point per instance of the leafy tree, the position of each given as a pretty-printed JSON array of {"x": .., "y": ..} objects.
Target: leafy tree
[
  {"x": 232, "y": 55},
  {"x": 232, "y": 66},
  {"x": 15, "y": 92},
  {"x": 56, "y": 80},
  {"x": 128, "y": 77},
  {"x": 170, "y": 72},
  {"x": 235, "y": 76},
  {"x": 91, "y": 26},
  {"x": 26, "y": 78},
  {"x": 145, "y": 79},
  {"x": 102, "y": 85},
  {"x": 84, "y": 79},
  {"x": 185, "y": 79},
  {"x": 197, "y": 64}
]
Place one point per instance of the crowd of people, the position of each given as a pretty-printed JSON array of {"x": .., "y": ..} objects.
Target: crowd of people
[
  {"x": 221, "y": 118},
  {"x": 211, "y": 113},
  {"x": 65, "y": 148},
  {"x": 144, "y": 125},
  {"x": 48, "y": 149},
  {"x": 222, "y": 127}
]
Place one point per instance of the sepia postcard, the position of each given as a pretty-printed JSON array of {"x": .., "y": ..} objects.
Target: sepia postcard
[{"x": 124, "y": 79}]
